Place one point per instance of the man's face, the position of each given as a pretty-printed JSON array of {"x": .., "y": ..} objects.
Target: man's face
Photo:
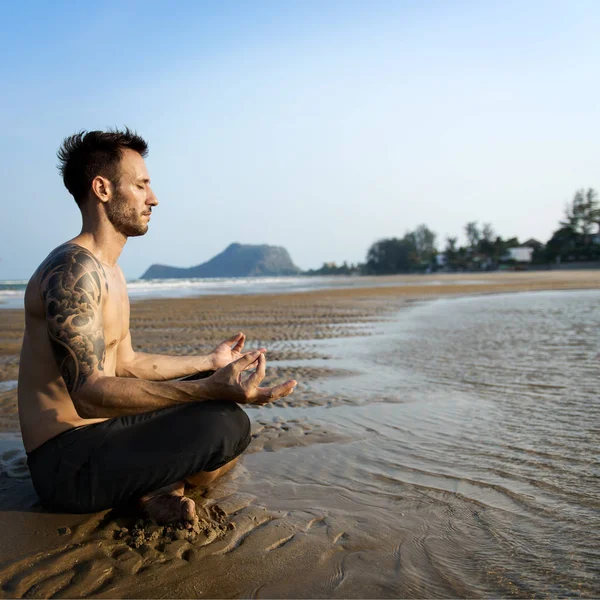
[{"x": 131, "y": 203}]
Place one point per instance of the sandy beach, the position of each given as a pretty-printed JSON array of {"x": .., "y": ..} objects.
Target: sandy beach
[{"x": 316, "y": 508}]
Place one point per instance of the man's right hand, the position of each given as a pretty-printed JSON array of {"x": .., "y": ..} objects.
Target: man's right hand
[{"x": 227, "y": 382}]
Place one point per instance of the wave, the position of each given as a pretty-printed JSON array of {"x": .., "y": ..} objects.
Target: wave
[{"x": 12, "y": 292}]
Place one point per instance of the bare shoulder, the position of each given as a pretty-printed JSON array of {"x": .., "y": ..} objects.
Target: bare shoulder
[{"x": 71, "y": 268}]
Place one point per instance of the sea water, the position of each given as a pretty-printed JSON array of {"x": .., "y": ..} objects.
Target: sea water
[
  {"x": 475, "y": 464},
  {"x": 12, "y": 292}
]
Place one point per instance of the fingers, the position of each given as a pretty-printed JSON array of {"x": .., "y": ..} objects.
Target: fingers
[
  {"x": 246, "y": 360},
  {"x": 284, "y": 389},
  {"x": 239, "y": 339},
  {"x": 234, "y": 338},
  {"x": 258, "y": 375},
  {"x": 266, "y": 395},
  {"x": 251, "y": 366}
]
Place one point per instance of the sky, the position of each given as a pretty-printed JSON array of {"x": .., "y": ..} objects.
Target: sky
[{"x": 321, "y": 126}]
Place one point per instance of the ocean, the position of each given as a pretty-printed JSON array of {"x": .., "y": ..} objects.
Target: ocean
[{"x": 13, "y": 291}]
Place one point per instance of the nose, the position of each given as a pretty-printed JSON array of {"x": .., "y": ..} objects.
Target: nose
[{"x": 151, "y": 200}]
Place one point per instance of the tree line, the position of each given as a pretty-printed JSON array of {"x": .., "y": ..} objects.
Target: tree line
[{"x": 576, "y": 239}]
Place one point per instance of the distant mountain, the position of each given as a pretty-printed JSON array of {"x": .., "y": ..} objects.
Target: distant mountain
[{"x": 237, "y": 260}]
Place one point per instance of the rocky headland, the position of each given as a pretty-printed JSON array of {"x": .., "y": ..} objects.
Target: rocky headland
[{"x": 237, "y": 260}]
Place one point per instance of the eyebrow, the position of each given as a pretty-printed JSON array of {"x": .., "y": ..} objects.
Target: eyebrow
[{"x": 144, "y": 179}]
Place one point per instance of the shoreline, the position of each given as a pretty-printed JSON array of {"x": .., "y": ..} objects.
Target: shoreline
[
  {"x": 223, "y": 315},
  {"x": 401, "y": 282}
]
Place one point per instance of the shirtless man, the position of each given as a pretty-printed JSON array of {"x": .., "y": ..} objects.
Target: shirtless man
[{"x": 102, "y": 424}]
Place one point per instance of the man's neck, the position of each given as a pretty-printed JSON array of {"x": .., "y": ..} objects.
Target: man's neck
[{"x": 105, "y": 246}]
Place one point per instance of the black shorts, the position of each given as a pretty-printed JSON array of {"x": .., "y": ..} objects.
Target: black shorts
[{"x": 99, "y": 466}]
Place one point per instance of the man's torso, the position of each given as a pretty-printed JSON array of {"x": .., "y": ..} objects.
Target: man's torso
[{"x": 45, "y": 405}]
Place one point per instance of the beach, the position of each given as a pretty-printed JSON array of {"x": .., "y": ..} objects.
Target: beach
[{"x": 441, "y": 442}]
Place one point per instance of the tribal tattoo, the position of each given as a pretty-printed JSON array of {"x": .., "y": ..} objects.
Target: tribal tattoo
[{"x": 72, "y": 283}]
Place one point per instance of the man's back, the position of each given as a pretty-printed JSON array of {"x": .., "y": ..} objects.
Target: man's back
[{"x": 45, "y": 405}]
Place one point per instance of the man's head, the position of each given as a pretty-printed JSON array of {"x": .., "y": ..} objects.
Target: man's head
[{"x": 108, "y": 167}]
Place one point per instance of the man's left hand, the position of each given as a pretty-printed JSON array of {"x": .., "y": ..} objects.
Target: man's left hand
[{"x": 228, "y": 351}]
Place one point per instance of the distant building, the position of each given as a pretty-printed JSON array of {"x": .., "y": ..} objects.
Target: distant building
[
  {"x": 533, "y": 243},
  {"x": 521, "y": 254}
]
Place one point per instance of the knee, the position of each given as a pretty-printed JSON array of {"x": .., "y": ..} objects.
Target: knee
[
  {"x": 229, "y": 424},
  {"x": 240, "y": 425},
  {"x": 229, "y": 436}
]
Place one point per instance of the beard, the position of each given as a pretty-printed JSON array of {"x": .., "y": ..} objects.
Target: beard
[{"x": 125, "y": 218}]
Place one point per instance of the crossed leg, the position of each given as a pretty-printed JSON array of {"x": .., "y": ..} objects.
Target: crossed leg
[{"x": 169, "y": 503}]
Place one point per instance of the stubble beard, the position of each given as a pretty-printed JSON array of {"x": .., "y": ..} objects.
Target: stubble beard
[{"x": 125, "y": 218}]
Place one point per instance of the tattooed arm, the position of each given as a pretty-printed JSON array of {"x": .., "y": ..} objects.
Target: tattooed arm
[{"x": 73, "y": 287}]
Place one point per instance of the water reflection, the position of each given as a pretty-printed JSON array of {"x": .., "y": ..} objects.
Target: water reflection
[{"x": 487, "y": 444}]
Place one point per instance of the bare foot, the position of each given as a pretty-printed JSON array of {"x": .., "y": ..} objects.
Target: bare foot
[{"x": 168, "y": 505}]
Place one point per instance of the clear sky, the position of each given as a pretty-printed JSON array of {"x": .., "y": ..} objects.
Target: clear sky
[{"x": 320, "y": 126}]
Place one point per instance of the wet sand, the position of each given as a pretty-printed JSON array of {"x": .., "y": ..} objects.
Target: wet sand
[{"x": 284, "y": 522}]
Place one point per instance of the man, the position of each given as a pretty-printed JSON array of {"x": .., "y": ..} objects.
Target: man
[{"x": 102, "y": 424}]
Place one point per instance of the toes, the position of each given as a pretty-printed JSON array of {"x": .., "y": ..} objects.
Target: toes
[
  {"x": 168, "y": 508},
  {"x": 188, "y": 509}
]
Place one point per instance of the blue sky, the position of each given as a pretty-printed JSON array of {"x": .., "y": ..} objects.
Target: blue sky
[{"x": 319, "y": 126}]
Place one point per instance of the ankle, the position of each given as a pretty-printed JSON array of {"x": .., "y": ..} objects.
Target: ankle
[{"x": 173, "y": 489}]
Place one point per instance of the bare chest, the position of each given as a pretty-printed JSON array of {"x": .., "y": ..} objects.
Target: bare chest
[{"x": 115, "y": 310}]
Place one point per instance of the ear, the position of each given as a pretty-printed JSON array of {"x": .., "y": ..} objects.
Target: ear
[{"x": 102, "y": 188}]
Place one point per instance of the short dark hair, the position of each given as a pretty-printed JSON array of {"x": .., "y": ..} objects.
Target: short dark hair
[{"x": 87, "y": 154}]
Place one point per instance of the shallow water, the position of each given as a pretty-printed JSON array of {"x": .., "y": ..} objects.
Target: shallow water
[{"x": 475, "y": 470}]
